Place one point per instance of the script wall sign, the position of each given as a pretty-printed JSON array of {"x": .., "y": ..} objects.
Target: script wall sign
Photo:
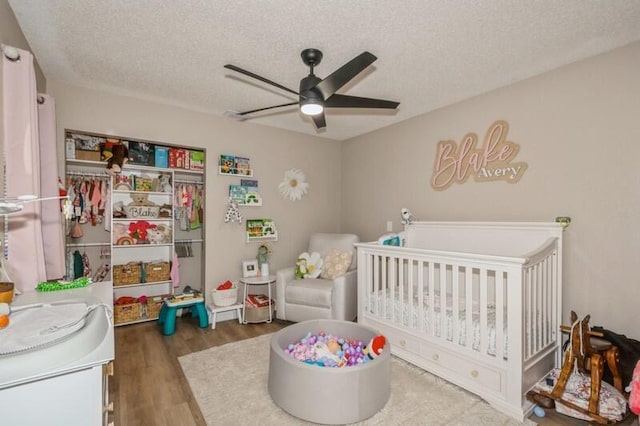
[{"x": 488, "y": 162}]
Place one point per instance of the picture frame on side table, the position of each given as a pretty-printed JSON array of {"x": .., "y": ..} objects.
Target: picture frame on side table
[{"x": 249, "y": 268}]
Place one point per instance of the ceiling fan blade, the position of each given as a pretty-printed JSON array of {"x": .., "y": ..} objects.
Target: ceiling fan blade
[
  {"x": 266, "y": 108},
  {"x": 344, "y": 101},
  {"x": 257, "y": 77},
  {"x": 344, "y": 74},
  {"x": 319, "y": 121}
]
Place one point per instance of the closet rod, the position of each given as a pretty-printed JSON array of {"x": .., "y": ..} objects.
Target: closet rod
[
  {"x": 188, "y": 181},
  {"x": 190, "y": 241},
  {"x": 88, "y": 244},
  {"x": 92, "y": 174}
]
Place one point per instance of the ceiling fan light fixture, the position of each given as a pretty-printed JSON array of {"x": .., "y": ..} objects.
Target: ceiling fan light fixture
[{"x": 311, "y": 107}]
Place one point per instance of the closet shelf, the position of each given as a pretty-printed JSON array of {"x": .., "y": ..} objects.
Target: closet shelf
[
  {"x": 142, "y": 285},
  {"x": 150, "y": 219},
  {"x": 132, "y": 246}
]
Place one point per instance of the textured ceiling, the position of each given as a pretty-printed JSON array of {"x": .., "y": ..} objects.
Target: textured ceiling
[{"x": 430, "y": 53}]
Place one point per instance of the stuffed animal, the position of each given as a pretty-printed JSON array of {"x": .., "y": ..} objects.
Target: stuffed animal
[
  {"x": 120, "y": 155},
  {"x": 140, "y": 199},
  {"x": 118, "y": 210},
  {"x": 165, "y": 230},
  {"x": 165, "y": 211},
  {"x": 155, "y": 236},
  {"x": 164, "y": 183},
  {"x": 375, "y": 347}
]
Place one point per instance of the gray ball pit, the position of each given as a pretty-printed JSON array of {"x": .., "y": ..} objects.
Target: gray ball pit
[{"x": 322, "y": 394}]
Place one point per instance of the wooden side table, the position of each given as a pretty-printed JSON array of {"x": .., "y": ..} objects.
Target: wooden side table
[{"x": 268, "y": 280}]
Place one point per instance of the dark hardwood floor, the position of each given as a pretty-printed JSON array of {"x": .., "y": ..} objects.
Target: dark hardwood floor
[{"x": 149, "y": 388}]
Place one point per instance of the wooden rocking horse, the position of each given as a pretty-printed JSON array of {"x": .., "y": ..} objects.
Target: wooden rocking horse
[{"x": 587, "y": 353}]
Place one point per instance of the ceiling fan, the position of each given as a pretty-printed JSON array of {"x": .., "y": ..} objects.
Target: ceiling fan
[{"x": 316, "y": 94}]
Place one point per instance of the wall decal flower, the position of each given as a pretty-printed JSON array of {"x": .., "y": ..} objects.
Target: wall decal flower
[{"x": 294, "y": 184}]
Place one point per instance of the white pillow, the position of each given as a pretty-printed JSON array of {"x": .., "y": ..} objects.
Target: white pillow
[
  {"x": 336, "y": 264},
  {"x": 309, "y": 265}
]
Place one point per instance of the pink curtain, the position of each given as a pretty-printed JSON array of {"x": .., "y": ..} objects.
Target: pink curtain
[
  {"x": 52, "y": 234},
  {"x": 24, "y": 247}
]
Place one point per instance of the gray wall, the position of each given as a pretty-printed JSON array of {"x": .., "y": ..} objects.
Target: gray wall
[{"x": 578, "y": 131}]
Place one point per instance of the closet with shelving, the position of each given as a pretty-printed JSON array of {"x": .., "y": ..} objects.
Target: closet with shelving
[{"x": 142, "y": 228}]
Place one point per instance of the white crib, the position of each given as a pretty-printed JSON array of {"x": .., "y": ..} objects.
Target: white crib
[{"x": 496, "y": 293}]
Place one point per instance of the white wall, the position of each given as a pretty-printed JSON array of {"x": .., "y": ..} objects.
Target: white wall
[
  {"x": 578, "y": 131},
  {"x": 271, "y": 152}
]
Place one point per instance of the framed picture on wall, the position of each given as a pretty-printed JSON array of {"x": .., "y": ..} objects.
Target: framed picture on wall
[{"x": 249, "y": 268}]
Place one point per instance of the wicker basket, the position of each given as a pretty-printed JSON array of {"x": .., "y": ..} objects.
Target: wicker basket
[
  {"x": 127, "y": 313},
  {"x": 225, "y": 297},
  {"x": 154, "y": 303},
  {"x": 157, "y": 271},
  {"x": 127, "y": 274}
]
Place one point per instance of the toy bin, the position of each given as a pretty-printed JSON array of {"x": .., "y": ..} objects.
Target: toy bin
[
  {"x": 157, "y": 271},
  {"x": 154, "y": 303},
  {"x": 127, "y": 313},
  {"x": 226, "y": 297},
  {"x": 130, "y": 273}
]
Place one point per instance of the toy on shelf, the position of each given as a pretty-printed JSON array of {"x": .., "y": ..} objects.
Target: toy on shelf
[
  {"x": 233, "y": 214},
  {"x": 120, "y": 155}
]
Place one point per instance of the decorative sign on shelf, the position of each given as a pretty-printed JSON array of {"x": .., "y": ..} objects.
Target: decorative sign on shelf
[{"x": 489, "y": 162}]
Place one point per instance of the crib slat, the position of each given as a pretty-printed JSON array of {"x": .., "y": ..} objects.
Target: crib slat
[
  {"x": 500, "y": 313},
  {"x": 432, "y": 299},
  {"x": 484, "y": 340},
  {"x": 443, "y": 300},
  {"x": 455, "y": 292},
  {"x": 420, "y": 296},
  {"x": 468, "y": 315}
]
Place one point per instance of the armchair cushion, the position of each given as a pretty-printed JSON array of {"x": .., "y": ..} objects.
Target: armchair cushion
[{"x": 310, "y": 292}]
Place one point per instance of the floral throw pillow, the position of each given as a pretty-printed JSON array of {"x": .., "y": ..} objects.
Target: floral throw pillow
[
  {"x": 336, "y": 264},
  {"x": 308, "y": 265}
]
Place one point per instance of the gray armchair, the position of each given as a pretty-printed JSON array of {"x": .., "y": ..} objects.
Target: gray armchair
[{"x": 315, "y": 298}]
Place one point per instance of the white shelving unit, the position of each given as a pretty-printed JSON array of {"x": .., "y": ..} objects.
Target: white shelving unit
[{"x": 152, "y": 243}]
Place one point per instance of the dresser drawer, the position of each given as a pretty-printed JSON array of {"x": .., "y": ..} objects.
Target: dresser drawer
[
  {"x": 466, "y": 369},
  {"x": 403, "y": 341}
]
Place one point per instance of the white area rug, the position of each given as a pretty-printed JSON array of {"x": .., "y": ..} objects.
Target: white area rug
[{"x": 230, "y": 384}]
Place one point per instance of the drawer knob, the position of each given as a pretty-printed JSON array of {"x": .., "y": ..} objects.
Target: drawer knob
[
  {"x": 474, "y": 374},
  {"x": 403, "y": 343},
  {"x": 436, "y": 357}
]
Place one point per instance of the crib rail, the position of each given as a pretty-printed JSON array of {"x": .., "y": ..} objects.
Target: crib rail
[{"x": 495, "y": 305}]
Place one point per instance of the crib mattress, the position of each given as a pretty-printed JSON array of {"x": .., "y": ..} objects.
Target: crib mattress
[{"x": 399, "y": 311}]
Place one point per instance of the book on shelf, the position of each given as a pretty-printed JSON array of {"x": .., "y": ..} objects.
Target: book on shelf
[
  {"x": 237, "y": 193},
  {"x": 252, "y": 183},
  {"x": 243, "y": 167},
  {"x": 227, "y": 164},
  {"x": 257, "y": 228}
]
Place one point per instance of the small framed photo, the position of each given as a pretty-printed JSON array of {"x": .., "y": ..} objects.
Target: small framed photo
[{"x": 249, "y": 268}]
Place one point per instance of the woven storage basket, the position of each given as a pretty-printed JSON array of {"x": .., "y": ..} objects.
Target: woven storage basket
[
  {"x": 127, "y": 274},
  {"x": 157, "y": 271},
  {"x": 127, "y": 313},
  {"x": 252, "y": 314},
  {"x": 154, "y": 304},
  {"x": 225, "y": 297}
]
